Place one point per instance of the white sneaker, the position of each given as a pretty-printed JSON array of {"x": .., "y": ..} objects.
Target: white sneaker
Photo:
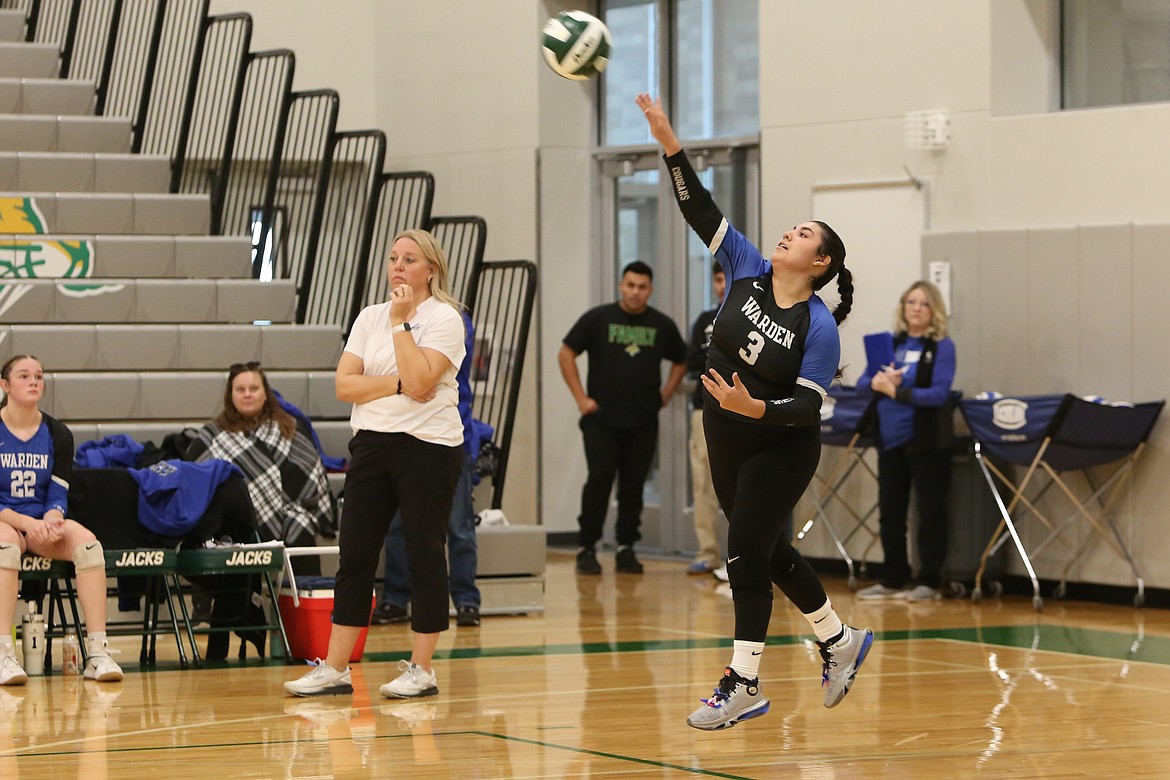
[
  {"x": 879, "y": 591},
  {"x": 412, "y": 683},
  {"x": 721, "y": 574},
  {"x": 102, "y": 668},
  {"x": 11, "y": 672},
  {"x": 735, "y": 699},
  {"x": 921, "y": 593},
  {"x": 98, "y": 665},
  {"x": 842, "y": 659},
  {"x": 321, "y": 680}
]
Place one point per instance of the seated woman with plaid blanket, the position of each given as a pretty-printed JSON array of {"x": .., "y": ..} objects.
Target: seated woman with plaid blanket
[{"x": 286, "y": 480}]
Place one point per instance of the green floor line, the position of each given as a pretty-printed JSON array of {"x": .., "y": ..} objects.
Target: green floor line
[{"x": 1093, "y": 643}]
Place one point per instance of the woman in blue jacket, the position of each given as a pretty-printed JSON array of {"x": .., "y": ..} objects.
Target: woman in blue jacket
[{"x": 916, "y": 435}]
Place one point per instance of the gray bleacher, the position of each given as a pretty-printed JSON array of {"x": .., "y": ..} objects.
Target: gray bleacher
[{"x": 138, "y": 337}]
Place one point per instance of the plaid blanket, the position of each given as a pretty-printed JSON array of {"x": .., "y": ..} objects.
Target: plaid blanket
[{"x": 286, "y": 480}]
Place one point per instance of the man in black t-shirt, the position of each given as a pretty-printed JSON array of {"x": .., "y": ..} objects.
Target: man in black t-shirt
[{"x": 626, "y": 342}]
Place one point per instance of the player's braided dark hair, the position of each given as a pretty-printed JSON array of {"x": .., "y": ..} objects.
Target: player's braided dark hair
[
  {"x": 834, "y": 247},
  {"x": 845, "y": 289}
]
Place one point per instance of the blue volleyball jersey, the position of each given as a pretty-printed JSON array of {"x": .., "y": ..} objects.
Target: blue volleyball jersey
[
  {"x": 784, "y": 357},
  {"x": 32, "y": 479},
  {"x": 774, "y": 349}
]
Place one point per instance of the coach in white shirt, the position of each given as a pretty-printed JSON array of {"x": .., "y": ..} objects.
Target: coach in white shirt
[{"x": 398, "y": 369}]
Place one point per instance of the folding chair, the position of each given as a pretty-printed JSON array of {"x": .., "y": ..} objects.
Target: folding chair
[
  {"x": 159, "y": 567},
  {"x": 264, "y": 558},
  {"x": 1054, "y": 435},
  {"x": 847, "y": 421}
]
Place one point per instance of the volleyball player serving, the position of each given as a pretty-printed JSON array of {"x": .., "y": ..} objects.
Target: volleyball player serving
[{"x": 774, "y": 351}]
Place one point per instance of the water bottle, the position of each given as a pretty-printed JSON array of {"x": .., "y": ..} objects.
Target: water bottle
[
  {"x": 32, "y": 640},
  {"x": 70, "y": 655}
]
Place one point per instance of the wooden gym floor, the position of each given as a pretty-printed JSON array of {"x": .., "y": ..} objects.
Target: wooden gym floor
[{"x": 600, "y": 684}]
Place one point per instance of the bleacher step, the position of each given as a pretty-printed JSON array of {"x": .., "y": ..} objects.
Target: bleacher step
[{"x": 52, "y": 96}]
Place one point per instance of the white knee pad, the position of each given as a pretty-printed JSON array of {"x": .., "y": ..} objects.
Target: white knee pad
[
  {"x": 9, "y": 556},
  {"x": 89, "y": 555}
]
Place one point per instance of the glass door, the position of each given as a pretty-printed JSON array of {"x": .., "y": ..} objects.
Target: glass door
[{"x": 646, "y": 225}]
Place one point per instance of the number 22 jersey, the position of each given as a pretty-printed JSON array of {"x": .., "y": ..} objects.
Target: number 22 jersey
[{"x": 35, "y": 474}]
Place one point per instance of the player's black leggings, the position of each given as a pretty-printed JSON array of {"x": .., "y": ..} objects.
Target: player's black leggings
[{"x": 759, "y": 473}]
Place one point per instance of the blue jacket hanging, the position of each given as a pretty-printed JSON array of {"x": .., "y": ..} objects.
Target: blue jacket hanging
[
  {"x": 174, "y": 494},
  {"x": 114, "y": 451}
]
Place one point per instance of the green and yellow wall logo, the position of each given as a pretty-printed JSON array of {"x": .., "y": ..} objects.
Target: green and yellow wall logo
[{"x": 39, "y": 258}]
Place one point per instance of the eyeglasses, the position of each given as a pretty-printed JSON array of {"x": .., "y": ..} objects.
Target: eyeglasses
[{"x": 239, "y": 368}]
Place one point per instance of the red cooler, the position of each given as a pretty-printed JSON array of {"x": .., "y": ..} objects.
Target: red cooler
[{"x": 308, "y": 625}]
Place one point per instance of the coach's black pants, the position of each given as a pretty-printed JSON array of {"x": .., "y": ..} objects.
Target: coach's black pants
[
  {"x": 759, "y": 473},
  {"x": 389, "y": 473},
  {"x": 625, "y": 453},
  {"x": 930, "y": 475}
]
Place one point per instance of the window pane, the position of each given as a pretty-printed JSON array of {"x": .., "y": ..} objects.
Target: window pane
[
  {"x": 716, "y": 68},
  {"x": 637, "y": 239},
  {"x": 1115, "y": 52},
  {"x": 633, "y": 68},
  {"x": 637, "y": 220}
]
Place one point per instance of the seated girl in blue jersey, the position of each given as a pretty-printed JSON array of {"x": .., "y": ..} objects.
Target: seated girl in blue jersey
[
  {"x": 36, "y": 464},
  {"x": 915, "y": 437},
  {"x": 774, "y": 352}
]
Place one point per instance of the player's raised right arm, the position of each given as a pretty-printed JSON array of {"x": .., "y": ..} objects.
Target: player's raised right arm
[{"x": 694, "y": 201}]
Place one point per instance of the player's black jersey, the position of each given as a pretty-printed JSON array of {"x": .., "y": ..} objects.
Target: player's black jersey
[
  {"x": 784, "y": 357},
  {"x": 761, "y": 341}
]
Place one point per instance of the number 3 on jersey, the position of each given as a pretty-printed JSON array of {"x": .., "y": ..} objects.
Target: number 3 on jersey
[
  {"x": 23, "y": 484},
  {"x": 751, "y": 353}
]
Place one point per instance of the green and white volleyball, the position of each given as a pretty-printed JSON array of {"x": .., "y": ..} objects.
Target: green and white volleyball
[{"x": 576, "y": 45}]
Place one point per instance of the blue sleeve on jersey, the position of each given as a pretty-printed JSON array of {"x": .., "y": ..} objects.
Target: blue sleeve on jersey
[
  {"x": 737, "y": 256},
  {"x": 57, "y": 498},
  {"x": 822, "y": 346},
  {"x": 940, "y": 381}
]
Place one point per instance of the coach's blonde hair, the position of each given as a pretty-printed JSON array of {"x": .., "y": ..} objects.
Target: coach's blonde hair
[
  {"x": 937, "y": 329},
  {"x": 440, "y": 284}
]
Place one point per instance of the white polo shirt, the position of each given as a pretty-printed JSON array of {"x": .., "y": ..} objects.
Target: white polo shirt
[{"x": 436, "y": 326}]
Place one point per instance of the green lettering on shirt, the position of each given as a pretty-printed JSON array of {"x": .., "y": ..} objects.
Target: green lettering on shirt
[{"x": 635, "y": 335}]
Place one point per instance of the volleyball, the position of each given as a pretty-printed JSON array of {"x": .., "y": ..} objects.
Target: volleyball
[{"x": 576, "y": 45}]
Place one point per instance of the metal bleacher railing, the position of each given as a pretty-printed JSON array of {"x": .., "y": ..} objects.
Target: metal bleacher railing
[
  {"x": 502, "y": 316},
  {"x": 272, "y": 160}
]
